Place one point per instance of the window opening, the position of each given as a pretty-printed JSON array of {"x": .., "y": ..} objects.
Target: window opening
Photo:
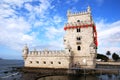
[
  {"x": 44, "y": 62},
  {"x": 51, "y": 62},
  {"x": 79, "y": 48},
  {"x": 37, "y": 62},
  {"x": 59, "y": 62},
  {"x": 78, "y": 20},
  {"x": 78, "y": 29},
  {"x": 30, "y": 61}
]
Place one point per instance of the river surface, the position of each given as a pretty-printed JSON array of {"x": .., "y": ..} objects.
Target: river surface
[
  {"x": 82, "y": 77},
  {"x": 6, "y": 69},
  {"x": 7, "y": 73}
]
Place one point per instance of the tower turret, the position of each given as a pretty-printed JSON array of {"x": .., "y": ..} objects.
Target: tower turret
[
  {"x": 68, "y": 12},
  {"x": 25, "y": 52},
  {"x": 88, "y": 9}
]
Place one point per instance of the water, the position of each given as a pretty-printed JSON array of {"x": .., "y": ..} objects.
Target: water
[
  {"x": 7, "y": 73},
  {"x": 87, "y": 77},
  {"x": 7, "y": 64},
  {"x": 6, "y": 69}
]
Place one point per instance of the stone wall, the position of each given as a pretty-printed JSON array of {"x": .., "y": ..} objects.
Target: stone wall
[
  {"x": 47, "y": 59},
  {"x": 80, "y": 21}
]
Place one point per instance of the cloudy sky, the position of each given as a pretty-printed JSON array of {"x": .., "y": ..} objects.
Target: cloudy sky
[{"x": 39, "y": 23}]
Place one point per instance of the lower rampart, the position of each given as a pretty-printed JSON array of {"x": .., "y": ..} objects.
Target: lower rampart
[{"x": 101, "y": 68}]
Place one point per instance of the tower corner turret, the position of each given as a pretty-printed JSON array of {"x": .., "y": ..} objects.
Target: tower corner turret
[
  {"x": 88, "y": 9},
  {"x": 68, "y": 13},
  {"x": 25, "y": 51}
]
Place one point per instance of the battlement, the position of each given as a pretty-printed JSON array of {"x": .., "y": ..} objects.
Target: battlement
[
  {"x": 79, "y": 23},
  {"x": 48, "y": 53},
  {"x": 88, "y": 11},
  {"x": 69, "y": 13},
  {"x": 82, "y": 24}
]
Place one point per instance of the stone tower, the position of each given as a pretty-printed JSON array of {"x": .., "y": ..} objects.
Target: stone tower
[{"x": 81, "y": 36}]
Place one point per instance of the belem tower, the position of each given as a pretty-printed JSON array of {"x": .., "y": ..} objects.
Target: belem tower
[{"x": 80, "y": 46}]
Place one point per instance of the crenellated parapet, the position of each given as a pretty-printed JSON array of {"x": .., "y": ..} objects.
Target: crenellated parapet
[
  {"x": 81, "y": 24},
  {"x": 48, "y": 53},
  {"x": 88, "y": 11},
  {"x": 69, "y": 13}
]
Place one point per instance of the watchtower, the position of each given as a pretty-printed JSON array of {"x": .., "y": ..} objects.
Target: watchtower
[{"x": 81, "y": 36}]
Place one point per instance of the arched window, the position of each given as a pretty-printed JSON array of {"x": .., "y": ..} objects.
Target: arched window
[
  {"x": 78, "y": 29},
  {"x": 44, "y": 62},
  {"x": 78, "y": 20},
  {"x": 30, "y": 62},
  {"x": 79, "y": 48},
  {"x": 69, "y": 50},
  {"x": 78, "y": 38},
  {"x": 64, "y": 40},
  {"x": 37, "y": 62},
  {"x": 59, "y": 62},
  {"x": 51, "y": 62}
]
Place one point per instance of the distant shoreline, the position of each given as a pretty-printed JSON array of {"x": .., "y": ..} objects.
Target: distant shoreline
[{"x": 1, "y": 59}]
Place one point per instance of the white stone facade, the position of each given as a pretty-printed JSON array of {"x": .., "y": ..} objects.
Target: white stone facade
[{"x": 79, "y": 41}]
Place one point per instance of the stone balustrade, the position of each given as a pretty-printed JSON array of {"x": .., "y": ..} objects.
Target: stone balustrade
[
  {"x": 48, "y": 53},
  {"x": 77, "y": 13},
  {"x": 78, "y": 23}
]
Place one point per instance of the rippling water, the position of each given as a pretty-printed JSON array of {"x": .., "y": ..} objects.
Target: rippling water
[
  {"x": 6, "y": 73},
  {"x": 6, "y": 69},
  {"x": 82, "y": 77}
]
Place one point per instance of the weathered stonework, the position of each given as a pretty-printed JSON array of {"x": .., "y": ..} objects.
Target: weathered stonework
[{"x": 80, "y": 46}]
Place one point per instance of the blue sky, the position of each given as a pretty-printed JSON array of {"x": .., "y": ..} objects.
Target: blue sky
[{"x": 39, "y": 23}]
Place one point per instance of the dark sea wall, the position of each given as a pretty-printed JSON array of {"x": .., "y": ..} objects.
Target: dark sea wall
[
  {"x": 54, "y": 71},
  {"x": 35, "y": 73},
  {"x": 32, "y": 73},
  {"x": 108, "y": 66},
  {"x": 46, "y": 70}
]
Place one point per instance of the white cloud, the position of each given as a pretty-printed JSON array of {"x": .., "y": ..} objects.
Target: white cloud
[
  {"x": 15, "y": 29},
  {"x": 113, "y": 49},
  {"x": 38, "y": 11},
  {"x": 53, "y": 32},
  {"x": 18, "y": 3},
  {"x": 57, "y": 44},
  {"x": 29, "y": 7},
  {"x": 22, "y": 27},
  {"x": 13, "y": 33},
  {"x": 6, "y": 11},
  {"x": 54, "y": 38},
  {"x": 108, "y": 35},
  {"x": 107, "y": 30},
  {"x": 57, "y": 19}
]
